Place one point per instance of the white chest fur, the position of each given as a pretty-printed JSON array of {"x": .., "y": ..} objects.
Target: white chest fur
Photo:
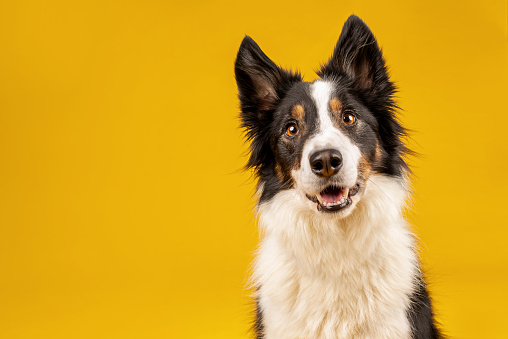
[{"x": 319, "y": 277}]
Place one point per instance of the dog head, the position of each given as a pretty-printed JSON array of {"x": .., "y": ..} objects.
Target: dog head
[{"x": 326, "y": 138}]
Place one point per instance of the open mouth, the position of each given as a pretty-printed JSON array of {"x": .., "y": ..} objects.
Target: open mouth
[{"x": 334, "y": 198}]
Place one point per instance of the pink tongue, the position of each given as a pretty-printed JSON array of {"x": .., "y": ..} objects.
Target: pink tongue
[{"x": 332, "y": 195}]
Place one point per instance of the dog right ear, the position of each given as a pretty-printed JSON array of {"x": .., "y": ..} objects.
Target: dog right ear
[{"x": 261, "y": 83}]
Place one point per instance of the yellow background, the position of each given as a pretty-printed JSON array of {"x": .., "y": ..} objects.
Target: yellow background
[{"x": 123, "y": 212}]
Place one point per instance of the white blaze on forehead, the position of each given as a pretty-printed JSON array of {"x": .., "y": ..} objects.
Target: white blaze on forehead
[{"x": 321, "y": 92}]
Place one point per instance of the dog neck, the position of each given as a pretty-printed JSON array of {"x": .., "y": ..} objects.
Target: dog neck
[{"x": 315, "y": 273}]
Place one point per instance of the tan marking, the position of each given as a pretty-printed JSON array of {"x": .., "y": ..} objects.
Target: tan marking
[
  {"x": 378, "y": 157},
  {"x": 379, "y": 152},
  {"x": 364, "y": 168},
  {"x": 298, "y": 112},
  {"x": 335, "y": 105},
  {"x": 279, "y": 173}
]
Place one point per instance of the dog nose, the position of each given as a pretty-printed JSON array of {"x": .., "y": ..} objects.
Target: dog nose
[{"x": 325, "y": 163}]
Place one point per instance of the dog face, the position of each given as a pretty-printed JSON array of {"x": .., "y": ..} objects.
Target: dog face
[{"x": 323, "y": 139}]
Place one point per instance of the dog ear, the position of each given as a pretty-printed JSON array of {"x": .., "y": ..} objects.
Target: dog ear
[
  {"x": 357, "y": 56},
  {"x": 261, "y": 83}
]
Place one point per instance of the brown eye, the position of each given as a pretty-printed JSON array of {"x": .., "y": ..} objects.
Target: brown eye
[
  {"x": 291, "y": 130},
  {"x": 348, "y": 119}
]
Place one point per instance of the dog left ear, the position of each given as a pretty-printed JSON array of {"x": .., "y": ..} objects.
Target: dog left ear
[{"x": 357, "y": 56}]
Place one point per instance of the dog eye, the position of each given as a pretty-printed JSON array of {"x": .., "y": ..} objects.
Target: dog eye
[
  {"x": 291, "y": 130},
  {"x": 348, "y": 119}
]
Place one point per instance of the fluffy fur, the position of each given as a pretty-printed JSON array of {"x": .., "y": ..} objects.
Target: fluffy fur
[{"x": 337, "y": 259}]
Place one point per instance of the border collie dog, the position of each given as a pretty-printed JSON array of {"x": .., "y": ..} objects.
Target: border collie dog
[{"x": 337, "y": 259}]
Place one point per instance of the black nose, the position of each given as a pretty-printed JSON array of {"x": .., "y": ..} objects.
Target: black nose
[{"x": 325, "y": 163}]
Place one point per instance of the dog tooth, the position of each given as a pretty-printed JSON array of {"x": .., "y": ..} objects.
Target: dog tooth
[
  {"x": 346, "y": 192},
  {"x": 318, "y": 196}
]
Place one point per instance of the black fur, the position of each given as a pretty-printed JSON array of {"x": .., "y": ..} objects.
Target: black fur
[
  {"x": 420, "y": 314},
  {"x": 258, "y": 324}
]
